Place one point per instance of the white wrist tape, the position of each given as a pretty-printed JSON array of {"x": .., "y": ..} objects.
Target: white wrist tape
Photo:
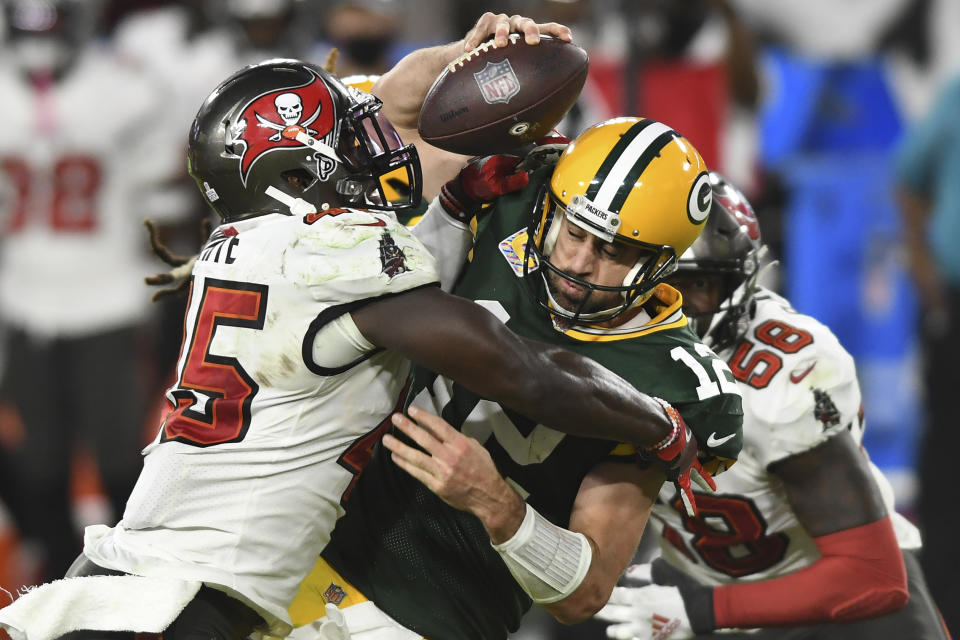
[{"x": 548, "y": 561}]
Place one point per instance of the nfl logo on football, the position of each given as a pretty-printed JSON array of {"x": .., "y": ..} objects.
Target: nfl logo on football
[{"x": 497, "y": 82}]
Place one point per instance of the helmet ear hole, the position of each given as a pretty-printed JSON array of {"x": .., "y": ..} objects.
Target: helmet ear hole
[{"x": 299, "y": 179}]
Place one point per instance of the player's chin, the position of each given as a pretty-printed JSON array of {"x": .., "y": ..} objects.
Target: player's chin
[
  {"x": 564, "y": 294},
  {"x": 578, "y": 300}
]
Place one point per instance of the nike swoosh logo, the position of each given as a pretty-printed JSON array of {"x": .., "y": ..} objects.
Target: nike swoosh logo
[
  {"x": 378, "y": 223},
  {"x": 797, "y": 377},
  {"x": 714, "y": 441}
]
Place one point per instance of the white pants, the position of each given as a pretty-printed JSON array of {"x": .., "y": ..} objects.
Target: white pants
[{"x": 363, "y": 621}]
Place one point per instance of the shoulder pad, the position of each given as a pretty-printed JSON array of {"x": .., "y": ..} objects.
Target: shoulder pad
[
  {"x": 353, "y": 254},
  {"x": 799, "y": 383}
]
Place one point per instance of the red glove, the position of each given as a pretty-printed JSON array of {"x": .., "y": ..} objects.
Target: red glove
[
  {"x": 677, "y": 453},
  {"x": 481, "y": 180}
]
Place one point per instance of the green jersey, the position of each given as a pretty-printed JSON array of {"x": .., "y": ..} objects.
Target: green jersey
[
  {"x": 431, "y": 567},
  {"x": 412, "y": 215}
]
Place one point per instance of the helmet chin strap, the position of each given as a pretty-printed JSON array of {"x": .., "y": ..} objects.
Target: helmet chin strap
[
  {"x": 720, "y": 316},
  {"x": 320, "y": 147},
  {"x": 297, "y": 206}
]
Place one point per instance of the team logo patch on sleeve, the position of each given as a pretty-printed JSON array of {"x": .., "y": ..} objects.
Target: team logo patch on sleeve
[
  {"x": 824, "y": 410},
  {"x": 513, "y": 248},
  {"x": 392, "y": 258},
  {"x": 334, "y": 594}
]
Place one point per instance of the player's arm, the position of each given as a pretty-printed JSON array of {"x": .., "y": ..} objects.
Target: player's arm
[
  {"x": 611, "y": 510},
  {"x": 571, "y": 571},
  {"x": 860, "y": 573},
  {"x": 463, "y": 341},
  {"x": 832, "y": 491},
  {"x": 915, "y": 174},
  {"x": 915, "y": 211}
]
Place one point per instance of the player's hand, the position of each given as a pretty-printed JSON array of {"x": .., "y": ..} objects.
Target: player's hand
[
  {"x": 455, "y": 467},
  {"x": 651, "y": 612},
  {"x": 678, "y": 457},
  {"x": 485, "y": 179},
  {"x": 500, "y": 26},
  {"x": 545, "y": 151},
  {"x": 482, "y": 180}
]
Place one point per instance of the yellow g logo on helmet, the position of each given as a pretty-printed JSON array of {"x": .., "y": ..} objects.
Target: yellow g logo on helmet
[{"x": 700, "y": 199}]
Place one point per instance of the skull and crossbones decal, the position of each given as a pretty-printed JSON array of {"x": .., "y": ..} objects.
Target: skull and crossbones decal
[
  {"x": 290, "y": 117},
  {"x": 290, "y": 109}
]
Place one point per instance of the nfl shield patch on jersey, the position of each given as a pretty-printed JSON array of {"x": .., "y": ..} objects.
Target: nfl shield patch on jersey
[{"x": 334, "y": 594}]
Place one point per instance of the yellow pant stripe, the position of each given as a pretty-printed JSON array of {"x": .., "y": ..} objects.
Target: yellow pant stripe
[{"x": 322, "y": 585}]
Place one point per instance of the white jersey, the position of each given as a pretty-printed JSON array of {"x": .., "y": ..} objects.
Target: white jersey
[
  {"x": 799, "y": 389},
  {"x": 278, "y": 402},
  {"x": 77, "y": 157}
]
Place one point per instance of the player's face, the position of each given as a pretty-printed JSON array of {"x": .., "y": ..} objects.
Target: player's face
[
  {"x": 701, "y": 297},
  {"x": 588, "y": 257}
]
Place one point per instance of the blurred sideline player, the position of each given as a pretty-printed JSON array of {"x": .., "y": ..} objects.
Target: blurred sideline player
[
  {"x": 195, "y": 45},
  {"x": 365, "y": 32},
  {"x": 801, "y": 535},
  {"x": 79, "y": 161},
  {"x": 300, "y": 317},
  {"x": 192, "y": 46}
]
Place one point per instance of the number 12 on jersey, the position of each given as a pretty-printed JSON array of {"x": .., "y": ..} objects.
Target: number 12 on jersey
[{"x": 725, "y": 382}]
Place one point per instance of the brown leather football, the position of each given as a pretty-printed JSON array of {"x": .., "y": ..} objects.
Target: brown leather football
[{"x": 496, "y": 99}]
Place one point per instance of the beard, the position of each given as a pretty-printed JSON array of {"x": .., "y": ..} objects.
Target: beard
[{"x": 571, "y": 299}]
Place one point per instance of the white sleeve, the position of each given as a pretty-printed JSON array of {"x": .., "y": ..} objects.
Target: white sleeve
[
  {"x": 447, "y": 239},
  {"x": 814, "y": 396},
  {"x": 339, "y": 343}
]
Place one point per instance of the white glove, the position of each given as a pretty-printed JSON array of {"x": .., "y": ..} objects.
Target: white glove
[
  {"x": 653, "y": 612},
  {"x": 333, "y": 626},
  {"x": 638, "y": 575}
]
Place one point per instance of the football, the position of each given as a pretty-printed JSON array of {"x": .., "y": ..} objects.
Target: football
[{"x": 496, "y": 99}]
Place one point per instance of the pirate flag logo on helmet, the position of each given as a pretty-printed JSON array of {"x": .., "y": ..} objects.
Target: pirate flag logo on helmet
[{"x": 271, "y": 122}]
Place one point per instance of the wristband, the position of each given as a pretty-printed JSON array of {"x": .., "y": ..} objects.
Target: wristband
[
  {"x": 673, "y": 444},
  {"x": 455, "y": 202}
]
